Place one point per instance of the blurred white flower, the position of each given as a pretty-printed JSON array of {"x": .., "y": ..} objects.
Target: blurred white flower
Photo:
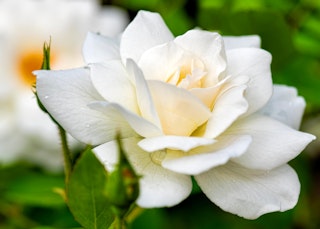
[
  {"x": 26, "y": 133},
  {"x": 196, "y": 105}
]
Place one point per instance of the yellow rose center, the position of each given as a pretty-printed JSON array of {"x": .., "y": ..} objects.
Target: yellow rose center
[
  {"x": 27, "y": 62},
  {"x": 189, "y": 75}
]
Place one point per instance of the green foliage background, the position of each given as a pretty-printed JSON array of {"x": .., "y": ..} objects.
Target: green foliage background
[{"x": 290, "y": 30}]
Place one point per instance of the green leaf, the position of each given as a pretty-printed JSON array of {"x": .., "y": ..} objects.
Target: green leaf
[
  {"x": 307, "y": 45},
  {"x": 247, "y": 4},
  {"x": 86, "y": 200},
  {"x": 35, "y": 189}
]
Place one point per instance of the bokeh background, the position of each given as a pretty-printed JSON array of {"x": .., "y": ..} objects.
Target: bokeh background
[{"x": 289, "y": 29}]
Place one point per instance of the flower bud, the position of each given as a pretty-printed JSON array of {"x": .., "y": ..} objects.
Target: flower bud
[
  {"x": 45, "y": 66},
  {"x": 122, "y": 187}
]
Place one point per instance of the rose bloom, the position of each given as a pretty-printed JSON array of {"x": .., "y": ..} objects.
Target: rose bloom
[
  {"x": 26, "y": 132},
  {"x": 196, "y": 105}
]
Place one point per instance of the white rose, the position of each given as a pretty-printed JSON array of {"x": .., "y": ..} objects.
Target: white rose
[
  {"x": 26, "y": 132},
  {"x": 195, "y": 105}
]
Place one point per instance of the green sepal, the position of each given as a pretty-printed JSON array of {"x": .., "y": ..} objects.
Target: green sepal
[
  {"x": 44, "y": 66},
  {"x": 46, "y": 56}
]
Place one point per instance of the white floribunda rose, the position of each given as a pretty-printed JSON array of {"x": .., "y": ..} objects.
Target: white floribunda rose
[
  {"x": 196, "y": 105},
  {"x": 26, "y": 132}
]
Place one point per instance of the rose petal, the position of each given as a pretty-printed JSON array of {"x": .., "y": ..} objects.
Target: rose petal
[
  {"x": 250, "y": 193},
  {"x": 254, "y": 63},
  {"x": 108, "y": 154},
  {"x": 159, "y": 187},
  {"x": 273, "y": 142},
  {"x": 65, "y": 94},
  {"x": 162, "y": 61},
  {"x": 173, "y": 142},
  {"x": 209, "y": 47},
  {"x": 285, "y": 106},
  {"x": 111, "y": 81},
  {"x": 144, "y": 32},
  {"x": 144, "y": 99},
  {"x": 228, "y": 107},
  {"x": 97, "y": 48},
  {"x": 207, "y": 95},
  {"x": 233, "y": 42},
  {"x": 179, "y": 111},
  {"x": 203, "y": 158},
  {"x": 140, "y": 125}
]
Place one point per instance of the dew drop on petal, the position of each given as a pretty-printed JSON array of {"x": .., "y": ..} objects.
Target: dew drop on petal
[{"x": 158, "y": 156}]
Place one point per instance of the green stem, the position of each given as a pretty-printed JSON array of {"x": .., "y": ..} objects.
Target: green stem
[
  {"x": 125, "y": 221},
  {"x": 118, "y": 223},
  {"x": 133, "y": 213},
  {"x": 66, "y": 153}
]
